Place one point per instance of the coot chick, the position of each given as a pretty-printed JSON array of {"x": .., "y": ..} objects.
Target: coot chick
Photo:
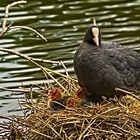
[
  {"x": 101, "y": 68},
  {"x": 77, "y": 100},
  {"x": 56, "y": 101}
]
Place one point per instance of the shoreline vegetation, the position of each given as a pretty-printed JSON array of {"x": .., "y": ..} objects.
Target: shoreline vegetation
[{"x": 113, "y": 119}]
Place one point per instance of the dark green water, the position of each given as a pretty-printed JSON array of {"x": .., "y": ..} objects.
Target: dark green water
[{"x": 63, "y": 23}]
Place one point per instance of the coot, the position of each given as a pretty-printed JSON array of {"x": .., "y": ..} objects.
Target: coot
[{"x": 101, "y": 68}]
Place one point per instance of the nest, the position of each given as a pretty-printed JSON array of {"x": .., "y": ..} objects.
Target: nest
[{"x": 119, "y": 119}]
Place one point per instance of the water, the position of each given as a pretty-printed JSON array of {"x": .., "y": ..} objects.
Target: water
[{"x": 63, "y": 23}]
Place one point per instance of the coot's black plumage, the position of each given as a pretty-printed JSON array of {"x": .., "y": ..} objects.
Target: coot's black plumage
[{"x": 101, "y": 68}]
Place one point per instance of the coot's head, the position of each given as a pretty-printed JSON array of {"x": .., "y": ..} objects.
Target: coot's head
[
  {"x": 54, "y": 94},
  {"x": 93, "y": 35}
]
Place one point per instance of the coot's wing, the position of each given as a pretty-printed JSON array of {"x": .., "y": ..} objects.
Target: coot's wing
[{"x": 127, "y": 64}]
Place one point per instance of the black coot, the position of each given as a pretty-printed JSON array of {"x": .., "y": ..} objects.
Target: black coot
[{"x": 101, "y": 68}]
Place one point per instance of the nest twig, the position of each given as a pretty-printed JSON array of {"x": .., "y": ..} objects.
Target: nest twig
[{"x": 107, "y": 120}]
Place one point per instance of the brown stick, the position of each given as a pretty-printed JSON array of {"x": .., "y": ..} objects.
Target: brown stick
[
  {"x": 127, "y": 93},
  {"x": 6, "y": 28},
  {"x": 7, "y": 12},
  {"x": 31, "y": 29},
  {"x": 19, "y": 90}
]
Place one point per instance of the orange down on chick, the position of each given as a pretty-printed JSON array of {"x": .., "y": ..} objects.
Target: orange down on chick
[
  {"x": 77, "y": 99},
  {"x": 54, "y": 94}
]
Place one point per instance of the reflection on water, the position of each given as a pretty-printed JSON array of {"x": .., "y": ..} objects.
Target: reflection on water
[{"x": 63, "y": 22}]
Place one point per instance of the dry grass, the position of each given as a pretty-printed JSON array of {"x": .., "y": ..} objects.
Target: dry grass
[{"x": 107, "y": 120}]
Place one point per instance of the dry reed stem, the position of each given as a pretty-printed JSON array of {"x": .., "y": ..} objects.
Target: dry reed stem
[
  {"x": 34, "y": 62},
  {"x": 44, "y": 69},
  {"x": 31, "y": 29},
  {"x": 5, "y": 28},
  {"x": 127, "y": 93}
]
